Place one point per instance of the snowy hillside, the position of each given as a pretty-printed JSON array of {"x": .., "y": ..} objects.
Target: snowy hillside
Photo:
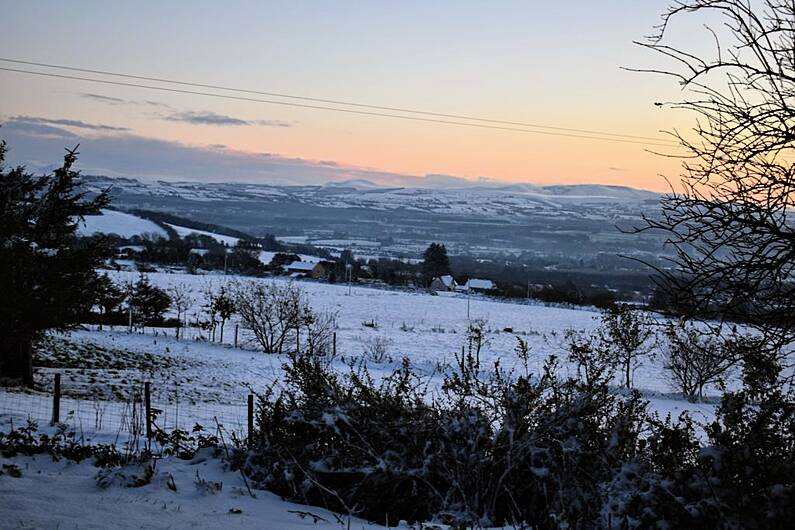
[
  {"x": 119, "y": 223},
  {"x": 513, "y": 200},
  {"x": 184, "y": 231}
]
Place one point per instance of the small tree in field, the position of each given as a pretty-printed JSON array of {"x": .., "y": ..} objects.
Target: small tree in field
[
  {"x": 182, "y": 301},
  {"x": 224, "y": 307},
  {"x": 626, "y": 334},
  {"x": 108, "y": 296},
  {"x": 435, "y": 262},
  {"x": 271, "y": 311},
  {"x": 696, "y": 359},
  {"x": 148, "y": 302},
  {"x": 47, "y": 274}
]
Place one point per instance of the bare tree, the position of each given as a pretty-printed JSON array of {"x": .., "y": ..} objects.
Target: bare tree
[
  {"x": 271, "y": 311},
  {"x": 729, "y": 223},
  {"x": 695, "y": 359},
  {"x": 319, "y": 332},
  {"x": 182, "y": 301},
  {"x": 626, "y": 335}
]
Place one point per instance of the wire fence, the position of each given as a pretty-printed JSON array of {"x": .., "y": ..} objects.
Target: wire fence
[{"x": 136, "y": 411}]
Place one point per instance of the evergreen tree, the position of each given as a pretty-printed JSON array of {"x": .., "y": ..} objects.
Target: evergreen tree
[
  {"x": 107, "y": 295},
  {"x": 281, "y": 259},
  {"x": 148, "y": 302},
  {"x": 47, "y": 274},
  {"x": 224, "y": 306},
  {"x": 435, "y": 263}
]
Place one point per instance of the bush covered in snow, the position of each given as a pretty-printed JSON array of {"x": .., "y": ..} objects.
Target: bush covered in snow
[{"x": 495, "y": 448}]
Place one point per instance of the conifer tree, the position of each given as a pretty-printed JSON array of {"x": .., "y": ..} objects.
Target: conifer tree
[{"x": 47, "y": 273}]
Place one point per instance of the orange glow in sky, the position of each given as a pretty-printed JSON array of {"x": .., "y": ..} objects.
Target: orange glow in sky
[{"x": 522, "y": 62}]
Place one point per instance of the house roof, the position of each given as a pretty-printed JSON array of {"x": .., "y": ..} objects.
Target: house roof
[
  {"x": 447, "y": 280},
  {"x": 477, "y": 283},
  {"x": 301, "y": 266}
]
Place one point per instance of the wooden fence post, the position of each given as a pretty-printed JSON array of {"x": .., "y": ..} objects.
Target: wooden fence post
[
  {"x": 236, "y": 328},
  {"x": 148, "y": 405},
  {"x": 334, "y": 344},
  {"x": 56, "y": 400},
  {"x": 250, "y": 419}
]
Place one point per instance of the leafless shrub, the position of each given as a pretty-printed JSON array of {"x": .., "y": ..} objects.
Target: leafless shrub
[
  {"x": 377, "y": 348},
  {"x": 271, "y": 311},
  {"x": 695, "y": 359}
]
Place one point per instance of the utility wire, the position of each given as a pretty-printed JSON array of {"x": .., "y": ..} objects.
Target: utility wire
[
  {"x": 335, "y": 109},
  {"x": 331, "y": 101}
]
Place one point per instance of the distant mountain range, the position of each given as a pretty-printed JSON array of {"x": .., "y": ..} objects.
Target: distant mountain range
[
  {"x": 486, "y": 200},
  {"x": 573, "y": 224}
]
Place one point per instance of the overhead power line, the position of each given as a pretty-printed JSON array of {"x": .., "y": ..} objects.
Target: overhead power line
[
  {"x": 657, "y": 142},
  {"x": 331, "y": 101}
]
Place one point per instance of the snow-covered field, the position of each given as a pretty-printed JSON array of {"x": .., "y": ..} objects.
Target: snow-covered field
[
  {"x": 183, "y": 231},
  {"x": 194, "y": 380},
  {"x": 119, "y": 223}
]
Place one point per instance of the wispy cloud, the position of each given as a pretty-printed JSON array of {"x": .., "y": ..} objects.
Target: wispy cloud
[
  {"x": 212, "y": 118},
  {"x": 110, "y": 100},
  {"x": 36, "y": 120},
  {"x": 103, "y": 99},
  {"x": 204, "y": 118}
]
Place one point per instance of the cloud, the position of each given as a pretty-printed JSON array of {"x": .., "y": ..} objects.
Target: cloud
[
  {"x": 616, "y": 169},
  {"x": 35, "y": 120},
  {"x": 211, "y": 118},
  {"x": 40, "y": 145},
  {"x": 109, "y": 100},
  {"x": 271, "y": 123},
  {"x": 103, "y": 99}
]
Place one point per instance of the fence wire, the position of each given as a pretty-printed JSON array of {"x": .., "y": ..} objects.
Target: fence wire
[{"x": 123, "y": 417}]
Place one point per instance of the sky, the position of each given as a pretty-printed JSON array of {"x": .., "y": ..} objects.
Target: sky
[{"x": 551, "y": 63}]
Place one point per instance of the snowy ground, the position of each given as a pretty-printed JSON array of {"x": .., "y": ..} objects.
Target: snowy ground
[
  {"x": 119, "y": 223},
  {"x": 65, "y": 495},
  {"x": 195, "y": 381}
]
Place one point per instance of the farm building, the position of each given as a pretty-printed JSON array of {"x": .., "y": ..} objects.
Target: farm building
[
  {"x": 299, "y": 269},
  {"x": 443, "y": 283},
  {"x": 479, "y": 285}
]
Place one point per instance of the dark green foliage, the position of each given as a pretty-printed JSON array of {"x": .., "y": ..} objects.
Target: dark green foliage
[
  {"x": 47, "y": 274},
  {"x": 148, "y": 302},
  {"x": 492, "y": 450},
  {"x": 223, "y": 304},
  {"x": 108, "y": 297},
  {"x": 744, "y": 477},
  {"x": 435, "y": 262},
  {"x": 281, "y": 259},
  {"x": 498, "y": 448}
]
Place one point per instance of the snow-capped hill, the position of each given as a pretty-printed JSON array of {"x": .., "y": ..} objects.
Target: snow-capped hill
[
  {"x": 119, "y": 223},
  {"x": 183, "y": 231},
  {"x": 357, "y": 184},
  {"x": 479, "y": 199}
]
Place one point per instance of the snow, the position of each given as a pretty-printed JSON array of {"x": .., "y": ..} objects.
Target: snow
[
  {"x": 65, "y": 494},
  {"x": 475, "y": 283},
  {"x": 207, "y": 382},
  {"x": 123, "y": 224},
  {"x": 224, "y": 240},
  {"x": 266, "y": 256},
  {"x": 301, "y": 266}
]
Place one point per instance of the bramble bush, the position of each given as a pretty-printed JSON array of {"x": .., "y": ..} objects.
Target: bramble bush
[{"x": 495, "y": 447}]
